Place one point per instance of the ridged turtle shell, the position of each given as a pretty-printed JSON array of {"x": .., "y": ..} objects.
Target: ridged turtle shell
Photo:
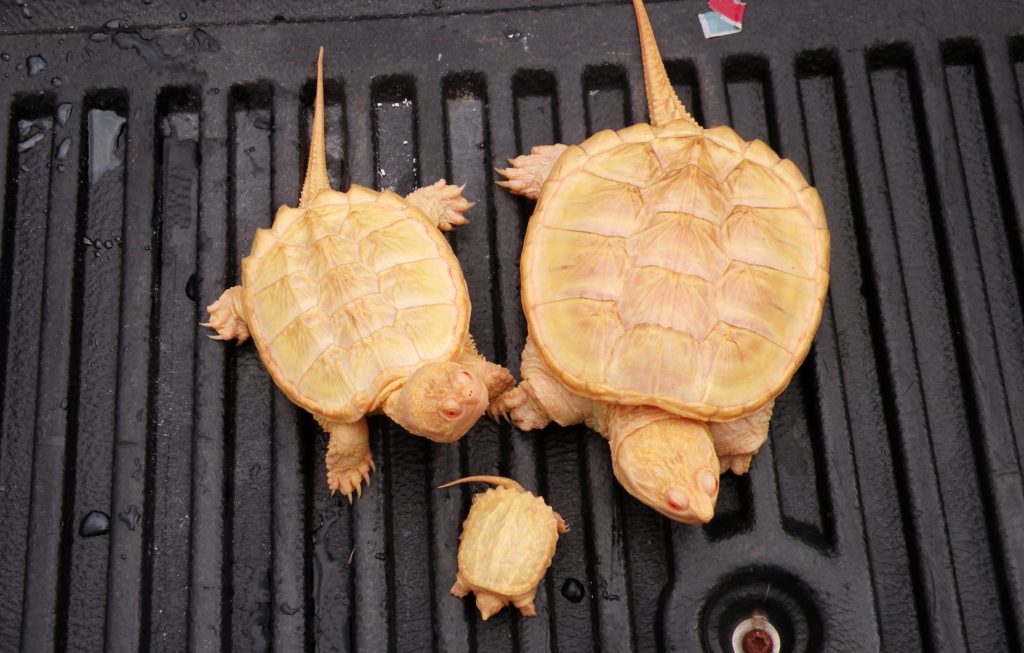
[
  {"x": 675, "y": 266},
  {"x": 507, "y": 541},
  {"x": 350, "y": 294}
]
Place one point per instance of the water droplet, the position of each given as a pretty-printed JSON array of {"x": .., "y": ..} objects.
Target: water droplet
[
  {"x": 573, "y": 590},
  {"x": 36, "y": 65},
  {"x": 287, "y": 609},
  {"x": 106, "y": 130},
  {"x": 57, "y": 82},
  {"x": 214, "y": 91},
  {"x": 146, "y": 248},
  {"x": 63, "y": 113},
  {"x": 112, "y": 24},
  {"x": 204, "y": 42},
  {"x": 62, "y": 149},
  {"x": 130, "y": 517},
  {"x": 5, "y": 56},
  {"x": 124, "y": 556},
  {"x": 380, "y": 555},
  {"x": 108, "y": 244},
  {"x": 93, "y": 524},
  {"x": 183, "y": 15},
  {"x": 64, "y": 403},
  {"x": 192, "y": 287},
  {"x": 26, "y": 12},
  {"x": 28, "y": 143},
  {"x": 98, "y": 37},
  {"x": 61, "y": 167}
]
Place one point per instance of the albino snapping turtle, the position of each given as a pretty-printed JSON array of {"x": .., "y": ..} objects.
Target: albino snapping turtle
[
  {"x": 357, "y": 305},
  {"x": 672, "y": 278},
  {"x": 506, "y": 546}
]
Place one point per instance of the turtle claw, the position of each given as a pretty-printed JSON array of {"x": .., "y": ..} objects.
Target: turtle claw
[{"x": 350, "y": 479}]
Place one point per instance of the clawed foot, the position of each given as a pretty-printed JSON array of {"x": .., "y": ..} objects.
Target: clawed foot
[
  {"x": 498, "y": 380},
  {"x": 517, "y": 406},
  {"x": 443, "y": 204},
  {"x": 528, "y": 171},
  {"x": 350, "y": 479},
  {"x": 225, "y": 318},
  {"x": 738, "y": 464}
]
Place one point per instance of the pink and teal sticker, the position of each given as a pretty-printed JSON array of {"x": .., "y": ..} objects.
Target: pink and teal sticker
[{"x": 725, "y": 17}]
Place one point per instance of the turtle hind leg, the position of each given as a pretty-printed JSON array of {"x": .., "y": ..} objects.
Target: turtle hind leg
[
  {"x": 489, "y": 604},
  {"x": 227, "y": 316},
  {"x": 460, "y": 589},
  {"x": 737, "y": 442},
  {"x": 527, "y": 173},
  {"x": 442, "y": 203},
  {"x": 349, "y": 460},
  {"x": 526, "y": 605}
]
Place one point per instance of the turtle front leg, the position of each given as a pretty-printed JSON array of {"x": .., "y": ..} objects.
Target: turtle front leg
[
  {"x": 528, "y": 172},
  {"x": 227, "y": 316},
  {"x": 737, "y": 441},
  {"x": 349, "y": 460},
  {"x": 443, "y": 204},
  {"x": 540, "y": 398},
  {"x": 497, "y": 379}
]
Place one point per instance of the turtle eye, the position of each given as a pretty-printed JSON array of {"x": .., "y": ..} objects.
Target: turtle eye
[{"x": 451, "y": 410}]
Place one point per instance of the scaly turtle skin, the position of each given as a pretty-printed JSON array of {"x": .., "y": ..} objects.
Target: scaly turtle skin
[
  {"x": 506, "y": 546},
  {"x": 673, "y": 278},
  {"x": 357, "y": 305}
]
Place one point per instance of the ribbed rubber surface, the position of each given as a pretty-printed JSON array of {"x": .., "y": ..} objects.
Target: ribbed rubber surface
[{"x": 887, "y": 512}]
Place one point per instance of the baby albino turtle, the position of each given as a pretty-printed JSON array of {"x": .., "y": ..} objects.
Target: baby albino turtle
[
  {"x": 672, "y": 278},
  {"x": 506, "y": 546},
  {"x": 357, "y": 305}
]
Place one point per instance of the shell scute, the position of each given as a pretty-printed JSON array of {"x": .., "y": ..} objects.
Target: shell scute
[
  {"x": 400, "y": 242},
  {"x": 279, "y": 303},
  {"x": 759, "y": 152},
  {"x": 589, "y": 203},
  {"x": 417, "y": 283},
  {"x": 595, "y": 327},
  {"x": 301, "y": 342},
  {"x": 668, "y": 299},
  {"x": 762, "y": 300},
  {"x": 775, "y": 238},
  {"x": 653, "y": 360},
  {"x": 603, "y": 140},
  {"x": 361, "y": 318},
  {"x": 755, "y": 185},
  {"x": 629, "y": 163},
  {"x": 689, "y": 190},
  {"x": 680, "y": 243},
  {"x": 582, "y": 265}
]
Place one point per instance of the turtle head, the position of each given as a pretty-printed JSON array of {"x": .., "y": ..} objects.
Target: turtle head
[
  {"x": 440, "y": 401},
  {"x": 671, "y": 466}
]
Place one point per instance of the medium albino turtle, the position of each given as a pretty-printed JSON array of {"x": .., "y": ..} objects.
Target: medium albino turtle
[
  {"x": 673, "y": 278},
  {"x": 506, "y": 546},
  {"x": 357, "y": 305}
]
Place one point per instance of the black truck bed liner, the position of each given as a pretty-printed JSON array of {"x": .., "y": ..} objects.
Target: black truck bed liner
[{"x": 142, "y": 144}]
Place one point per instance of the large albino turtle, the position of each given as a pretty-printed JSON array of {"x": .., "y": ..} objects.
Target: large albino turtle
[
  {"x": 506, "y": 546},
  {"x": 357, "y": 305},
  {"x": 673, "y": 278}
]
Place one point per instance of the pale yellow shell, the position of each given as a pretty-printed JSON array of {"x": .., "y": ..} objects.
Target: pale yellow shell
[
  {"x": 350, "y": 294},
  {"x": 675, "y": 266},
  {"x": 507, "y": 541}
]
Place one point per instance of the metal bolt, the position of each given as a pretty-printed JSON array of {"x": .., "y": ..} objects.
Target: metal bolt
[
  {"x": 756, "y": 635},
  {"x": 757, "y": 641}
]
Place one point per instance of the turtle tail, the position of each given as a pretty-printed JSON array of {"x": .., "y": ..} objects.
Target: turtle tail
[
  {"x": 500, "y": 481},
  {"x": 316, "y": 170},
  {"x": 662, "y": 102}
]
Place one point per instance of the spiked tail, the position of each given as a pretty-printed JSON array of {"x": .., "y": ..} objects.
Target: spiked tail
[
  {"x": 662, "y": 102},
  {"x": 316, "y": 170},
  {"x": 500, "y": 481}
]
